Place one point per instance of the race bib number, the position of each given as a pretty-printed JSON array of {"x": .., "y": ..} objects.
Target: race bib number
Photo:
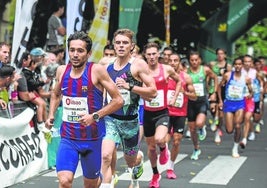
[
  {"x": 73, "y": 107},
  {"x": 179, "y": 100},
  {"x": 235, "y": 92},
  {"x": 199, "y": 88},
  {"x": 156, "y": 102}
]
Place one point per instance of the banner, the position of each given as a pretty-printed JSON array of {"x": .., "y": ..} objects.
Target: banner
[
  {"x": 167, "y": 21},
  {"x": 25, "y": 11},
  {"x": 99, "y": 30},
  {"x": 75, "y": 9},
  {"x": 96, "y": 2},
  {"x": 23, "y": 153},
  {"x": 129, "y": 14},
  {"x": 238, "y": 16},
  {"x": 227, "y": 25}
]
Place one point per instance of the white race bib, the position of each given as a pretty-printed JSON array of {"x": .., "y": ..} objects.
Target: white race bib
[
  {"x": 73, "y": 107},
  {"x": 235, "y": 92},
  {"x": 199, "y": 88},
  {"x": 179, "y": 100},
  {"x": 156, "y": 102}
]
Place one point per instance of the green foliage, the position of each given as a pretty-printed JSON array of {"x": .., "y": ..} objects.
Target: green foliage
[
  {"x": 12, "y": 15},
  {"x": 256, "y": 37}
]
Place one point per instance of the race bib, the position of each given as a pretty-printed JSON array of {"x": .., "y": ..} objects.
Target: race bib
[
  {"x": 199, "y": 88},
  {"x": 156, "y": 102},
  {"x": 179, "y": 100},
  {"x": 73, "y": 107},
  {"x": 235, "y": 92}
]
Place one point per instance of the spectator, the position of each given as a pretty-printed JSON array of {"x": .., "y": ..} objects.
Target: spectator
[
  {"x": 6, "y": 77},
  {"x": 4, "y": 53},
  {"x": 60, "y": 55},
  {"x": 34, "y": 83},
  {"x": 23, "y": 93},
  {"x": 4, "y": 59},
  {"x": 38, "y": 55},
  {"x": 56, "y": 30}
]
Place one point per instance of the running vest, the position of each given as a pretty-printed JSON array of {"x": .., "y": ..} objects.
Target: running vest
[
  {"x": 79, "y": 95},
  {"x": 256, "y": 90},
  {"x": 199, "y": 83},
  {"x": 160, "y": 102},
  {"x": 180, "y": 108},
  {"x": 235, "y": 89},
  {"x": 131, "y": 100},
  {"x": 219, "y": 71},
  {"x": 251, "y": 73}
]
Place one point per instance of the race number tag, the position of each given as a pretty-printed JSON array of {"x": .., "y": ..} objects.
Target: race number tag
[
  {"x": 199, "y": 88},
  {"x": 235, "y": 92},
  {"x": 73, "y": 107},
  {"x": 156, "y": 102},
  {"x": 179, "y": 100}
]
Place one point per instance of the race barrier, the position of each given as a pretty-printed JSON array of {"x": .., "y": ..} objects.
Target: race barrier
[{"x": 23, "y": 153}]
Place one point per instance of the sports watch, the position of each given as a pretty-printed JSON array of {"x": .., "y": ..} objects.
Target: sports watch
[
  {"x": 96, "y": 117},
  {"x": 131, "y": 85}
]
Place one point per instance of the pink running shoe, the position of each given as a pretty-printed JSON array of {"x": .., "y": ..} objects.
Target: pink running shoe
[
  {"x": 154, "y": 183},
  {"x": 171, "y": 174},
  {"x": 164, "y": 156}
]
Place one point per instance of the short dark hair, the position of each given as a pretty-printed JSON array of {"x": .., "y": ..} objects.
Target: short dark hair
[
  {"x": 57, "y": 50},
  {"x": 109, "y": 47},
  {"x": 24, "y": 56},
  {"x": 81, "y": 35},
  {"x": 238, "y": 58},
  {"x": 6, "y": 71},
  {"x": 57, "y": 5},
  {"x": 220, "y": 49}
]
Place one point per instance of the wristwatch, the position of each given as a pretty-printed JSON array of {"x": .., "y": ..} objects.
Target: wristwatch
[
  {"x": 96, "y": 117},
  {"x": 131, "y": 85}
]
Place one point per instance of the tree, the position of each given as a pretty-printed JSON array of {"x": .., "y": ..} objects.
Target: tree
[{"x": 255, "y": 38}]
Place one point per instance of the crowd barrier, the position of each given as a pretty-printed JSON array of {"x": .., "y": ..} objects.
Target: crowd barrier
[{"x": 23, "y": 152}]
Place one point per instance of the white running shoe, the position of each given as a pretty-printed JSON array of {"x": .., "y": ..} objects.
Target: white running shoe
[
  {"x": 42, "y": 128},
  {"x": 217, "y": 138},
  {"x": 187, "y": 134},
  {"x": 251, "y": 136}
]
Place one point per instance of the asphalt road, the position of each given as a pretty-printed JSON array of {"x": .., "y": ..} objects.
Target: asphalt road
[{"x": 216, "y": 168}]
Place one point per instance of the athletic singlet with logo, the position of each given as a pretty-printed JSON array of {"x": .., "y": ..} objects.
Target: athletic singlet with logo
[
  {"x": 251, "y": 73},
  {"x": 199, "y": 83},
  {"x": 159, "y": 102},
  {"x": 79, "y": 95},
  {"x": 235, "y": 89},
  {"x": 131, "y": 100},
  {"x": 180, "y": 107}
]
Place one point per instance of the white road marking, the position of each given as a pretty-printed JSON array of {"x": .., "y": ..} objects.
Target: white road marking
[{"x": 220, "y": 171}]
